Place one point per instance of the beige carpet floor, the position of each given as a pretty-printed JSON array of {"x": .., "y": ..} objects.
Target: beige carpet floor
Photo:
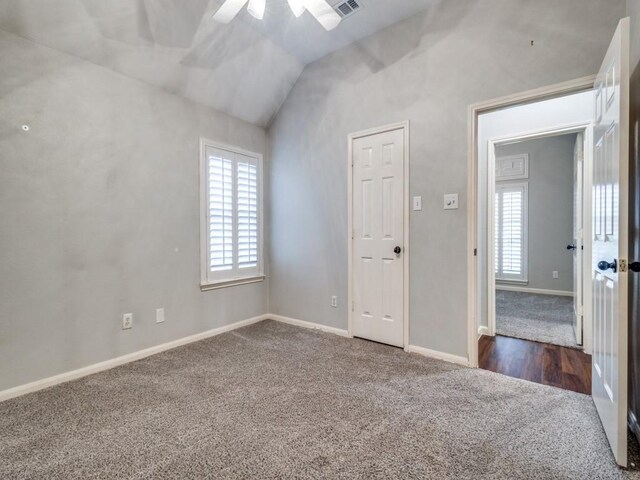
[
  {"x": 541, "y": 318},
  {"x": 275, "y": 401}
]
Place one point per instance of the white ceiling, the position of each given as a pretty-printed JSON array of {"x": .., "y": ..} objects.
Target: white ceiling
[{"x": 245, "y": 69}]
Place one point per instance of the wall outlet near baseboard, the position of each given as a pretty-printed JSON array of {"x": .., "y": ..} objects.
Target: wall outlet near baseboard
[
  {"x": 555, "y": 274},
  {"x": 127, "y": 321},
  {"x": 334, "y": 301},
  {"x": 159, "y": 315}
]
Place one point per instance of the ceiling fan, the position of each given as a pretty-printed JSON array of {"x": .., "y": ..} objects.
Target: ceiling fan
[{"x": 320, "y": 9}]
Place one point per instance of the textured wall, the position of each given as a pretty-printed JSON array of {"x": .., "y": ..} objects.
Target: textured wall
[
  {"x": 100, "y": 214},
  {"x": 550, "y": 209},
  {"x": 427, "y": 69}
]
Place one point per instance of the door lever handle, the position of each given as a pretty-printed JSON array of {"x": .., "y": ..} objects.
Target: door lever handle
[
  {"x": 634, "y": 267},
  {"x": 604, "y": 265},
  {"x": 571, "y": 247}
]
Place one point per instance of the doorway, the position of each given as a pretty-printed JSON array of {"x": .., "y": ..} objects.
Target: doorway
[
  {"x": 379, "y": 246},
  {"x": 534, "y": 243},
  {"x": 535, "y": 238}
]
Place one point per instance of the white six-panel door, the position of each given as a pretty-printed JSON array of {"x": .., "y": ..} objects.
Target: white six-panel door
[
  {"x": 378, "y": 237},
  {"x": 610, "y": 240}
]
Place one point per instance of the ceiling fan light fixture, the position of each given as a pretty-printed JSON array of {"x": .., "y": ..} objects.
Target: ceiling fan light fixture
[
  {"x": 297, "y": 7},
  {"x": 256, "y": 8}
]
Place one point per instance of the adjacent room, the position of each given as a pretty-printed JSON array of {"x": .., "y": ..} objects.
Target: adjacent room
[{"x": 315, "y": 238}]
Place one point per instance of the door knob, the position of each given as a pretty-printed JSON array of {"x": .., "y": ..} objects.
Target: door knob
[
  {"x": 571, "y": 247},
  {"x": 604, "y": 266},
  {"x": 397, "y": 250},
  {"x": 634, "y": 267}
]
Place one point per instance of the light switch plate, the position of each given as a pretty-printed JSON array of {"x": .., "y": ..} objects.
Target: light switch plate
[
  {"x": 451, "y": 201},
  {"x": 417, "y": 204}
]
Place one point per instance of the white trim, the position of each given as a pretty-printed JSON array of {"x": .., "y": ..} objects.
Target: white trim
[
  {"x": 474, "y": 111},
  {"x": 117, "y": 361},
  {"x": 252, "y": 274},
  {"x": 539, "y": 291},
  {"x": 405, "y": 126},
  {"x": 304, "y": 324},
  {"x": 231, "y": 283},
  {"x": 446, "y": 357},
  {"x": 482, "y": 330}
]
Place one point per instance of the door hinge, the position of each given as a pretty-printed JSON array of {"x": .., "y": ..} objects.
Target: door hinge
[
  {"x": 622, "y": 265},
  {"x": 353, "y": 306},
  {"x": 475, "y": 252}
]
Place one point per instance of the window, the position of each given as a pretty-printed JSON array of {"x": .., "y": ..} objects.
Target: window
[
  {"x": 231, "y": 216},
  {"x": 511, "y": 232}
]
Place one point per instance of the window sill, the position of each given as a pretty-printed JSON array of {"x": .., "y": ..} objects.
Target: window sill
[
  {"x": 514, "y": 282},
  {"x": 205, "y": 287}
]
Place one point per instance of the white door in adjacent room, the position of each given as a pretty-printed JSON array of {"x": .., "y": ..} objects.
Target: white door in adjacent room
[
  {"x": 610, "y": 242},
  {"x": 578, "y": 226},
  {"x": 378, "y": 237}
]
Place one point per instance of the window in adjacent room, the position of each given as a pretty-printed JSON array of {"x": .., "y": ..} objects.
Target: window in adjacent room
[
  {"x": 231, "y": 215},
  {"x": 511, "y": 232}
]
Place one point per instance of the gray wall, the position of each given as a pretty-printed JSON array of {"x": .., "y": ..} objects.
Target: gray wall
[
  {"x": 427, "y": 69},
  {"x": 550, "y": 209},
  {"x": 100, "y": 214}
]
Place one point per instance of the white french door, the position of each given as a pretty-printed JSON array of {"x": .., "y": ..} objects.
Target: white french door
[
  {"x": 610, "y": 242},
  {"x": 378, "y": 193}
]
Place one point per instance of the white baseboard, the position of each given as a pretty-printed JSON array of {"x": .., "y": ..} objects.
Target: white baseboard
[
  {"x": 116, "y": 362},
  {"x": 132, "y": 357},
  {"x": 447, "y": 357},
  {"x": 305, "y": 324},
  {"x": 540, "y": 291},
  {"x": 482, "y": 330}
]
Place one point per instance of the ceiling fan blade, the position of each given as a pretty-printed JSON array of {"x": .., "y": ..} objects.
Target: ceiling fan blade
[
  {"x": 297, "y": 7},
  {"x": 229, "y": 10},
  {"x": 323, "y": 12},
  {"x": 256, "y": 8}
]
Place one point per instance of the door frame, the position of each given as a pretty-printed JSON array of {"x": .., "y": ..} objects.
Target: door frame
[
  {"x": 474, "y": 111},
  {"x": 586, "y": 128},
  {"x": 404, "y": 126}
]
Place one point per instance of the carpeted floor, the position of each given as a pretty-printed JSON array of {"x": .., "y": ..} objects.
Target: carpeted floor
[
  {"x": 276, "y": 401},
  {"x": 541, "y": 318}
]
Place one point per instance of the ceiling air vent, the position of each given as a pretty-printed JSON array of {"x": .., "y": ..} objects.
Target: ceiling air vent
[{"x": 347, "y": 8}]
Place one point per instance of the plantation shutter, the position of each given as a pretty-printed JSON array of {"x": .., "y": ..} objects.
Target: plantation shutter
[
  {"x": 510, "y": 232},
  {"x": 221, "y": 249},
  {"x": 232, "y": 215},
  {"x": 247, "y": 201}
]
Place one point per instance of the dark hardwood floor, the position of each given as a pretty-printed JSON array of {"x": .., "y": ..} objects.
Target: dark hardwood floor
[{"x": 544, "y": 363}]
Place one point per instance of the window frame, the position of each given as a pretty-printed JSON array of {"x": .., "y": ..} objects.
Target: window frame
[
  {"x": 499, "y": 276},
  {"x": 209, "y": 280}
]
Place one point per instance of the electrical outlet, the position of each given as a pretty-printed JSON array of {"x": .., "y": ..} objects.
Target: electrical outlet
[
  {"x": 555, "y": 274},
  {"x": 159, "y": 315},
  {"x": 451, "y": 201},
  {"x": 127, "y": 321},
  {"x": 334, "y": 301}
]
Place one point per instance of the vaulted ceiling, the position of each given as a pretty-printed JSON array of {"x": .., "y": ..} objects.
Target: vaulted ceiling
[{"x": 245, "y": 69}]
